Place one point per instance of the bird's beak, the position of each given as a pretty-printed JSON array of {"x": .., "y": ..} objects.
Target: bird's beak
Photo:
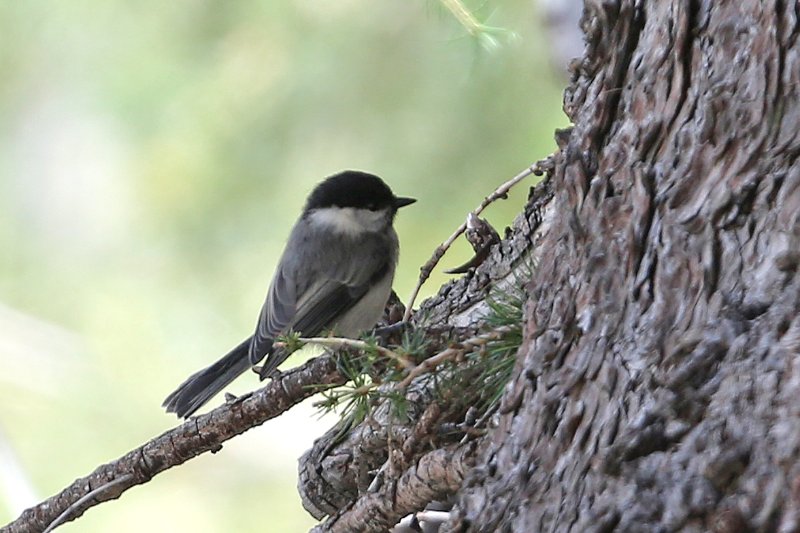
[{"x": 402, "y": 202}]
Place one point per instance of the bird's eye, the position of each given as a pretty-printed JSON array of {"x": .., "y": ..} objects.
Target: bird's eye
[{"x": 372, "y": 207}]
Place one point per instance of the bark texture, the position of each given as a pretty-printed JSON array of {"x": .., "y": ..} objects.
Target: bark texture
[{"x": 658, "y": 386}]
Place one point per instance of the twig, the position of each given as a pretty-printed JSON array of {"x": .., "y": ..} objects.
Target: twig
[
  {"x": 102, "y": 488},
  {"x": 451, "y": 353},
  {"x": 339, "y": 342},
  {"x": 471, "y": 432},
  {"x": 463, "y": 16},
  {"x": 435, "y": 476},
  {"x": 428, "y": 517},
  {"x": 429, "y": 364},
  {"x": 427, "y": 268}
]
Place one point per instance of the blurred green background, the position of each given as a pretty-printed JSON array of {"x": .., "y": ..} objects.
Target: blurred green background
[{"x": 153, "y": 156}]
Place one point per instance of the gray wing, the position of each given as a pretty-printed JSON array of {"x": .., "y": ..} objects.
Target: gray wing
[
  {"x": 335, "y": 285},
  {"x": 277, "y": 313}
]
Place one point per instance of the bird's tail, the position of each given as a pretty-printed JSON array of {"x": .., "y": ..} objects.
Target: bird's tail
[{"x": 201, "y": 386}]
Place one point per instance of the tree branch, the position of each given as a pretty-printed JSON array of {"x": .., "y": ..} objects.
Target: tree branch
[
  {"x": 198, "y": 435},
  {"x": 436, "y": 475},
  {"x": 501, "y": 192}
]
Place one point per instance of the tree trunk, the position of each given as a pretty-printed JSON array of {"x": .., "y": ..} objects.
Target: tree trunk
[{"x": 658, "y": 384}]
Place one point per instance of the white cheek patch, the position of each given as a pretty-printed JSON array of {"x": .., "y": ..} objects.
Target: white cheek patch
[
  {"x": 340, "y": 219},
  {"x": 350, "y": 220}
]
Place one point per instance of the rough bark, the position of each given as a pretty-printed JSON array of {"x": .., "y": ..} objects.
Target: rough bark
[
  {"x": 657, "y": 387},
  {"x": 435, "y": 476}
]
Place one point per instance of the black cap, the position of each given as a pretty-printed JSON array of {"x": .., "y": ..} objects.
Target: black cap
[{"x": 353, "y": 188}]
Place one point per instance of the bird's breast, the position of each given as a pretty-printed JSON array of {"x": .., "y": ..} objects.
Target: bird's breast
[{"x": 368, "y": 310}]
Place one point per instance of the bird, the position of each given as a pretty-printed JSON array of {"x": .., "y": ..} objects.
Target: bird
[{"x": 335, "y": 274}]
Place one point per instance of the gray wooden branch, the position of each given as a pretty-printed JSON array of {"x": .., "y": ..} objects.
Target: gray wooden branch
[
  {"x": 198, "y": 435},
  {"x": 434, "y": 476}
]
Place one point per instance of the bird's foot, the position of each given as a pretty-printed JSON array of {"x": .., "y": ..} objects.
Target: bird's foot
[
  {"x": 391, "y": 333},
  {"x": 262, "y": 375}
]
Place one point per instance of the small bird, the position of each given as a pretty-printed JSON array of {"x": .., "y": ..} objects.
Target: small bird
[{"x": 335, "y": 274}]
